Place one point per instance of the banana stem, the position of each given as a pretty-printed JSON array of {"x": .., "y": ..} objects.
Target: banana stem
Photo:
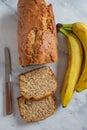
[
  {"x": 67, "y": 29},
  {"x": 63, "y": 32},
  {"x": 67, "y": 25}
]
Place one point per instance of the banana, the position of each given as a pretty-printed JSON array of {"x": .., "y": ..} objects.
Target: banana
[
  {"x": 73, "y": 69},
  {"x": 80, "y": 30}
]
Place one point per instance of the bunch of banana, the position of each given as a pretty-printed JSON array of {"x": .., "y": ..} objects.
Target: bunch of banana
[{"x": 76, "y": 74}]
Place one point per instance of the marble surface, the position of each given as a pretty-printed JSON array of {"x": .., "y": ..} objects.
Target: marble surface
[{"x": 74, "y": 117}]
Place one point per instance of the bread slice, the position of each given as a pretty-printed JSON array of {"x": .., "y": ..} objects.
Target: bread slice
[
  {"x": 32, "y": 111},
  {"x": 37, "y": 83}
]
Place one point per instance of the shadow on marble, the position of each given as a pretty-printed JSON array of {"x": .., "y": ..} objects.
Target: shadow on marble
[
  {"x": 62, "y": 65},
  {"x": 3, "y": 102}
]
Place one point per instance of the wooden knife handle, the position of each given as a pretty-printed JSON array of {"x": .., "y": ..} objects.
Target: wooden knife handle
[{"x": 8, "y": 98}]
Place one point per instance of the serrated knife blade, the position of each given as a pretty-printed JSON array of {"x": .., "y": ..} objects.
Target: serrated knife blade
[{"x": 8, "y": 81}]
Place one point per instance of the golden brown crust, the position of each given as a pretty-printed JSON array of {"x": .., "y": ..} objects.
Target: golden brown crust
[
  {"x": 36, "y": 33},
  {"x": 37, "y": 69},
  {"x": 42, "y": 96},
  {"x": 38, "y": 98},
  {"x": 54, "y": 103}
]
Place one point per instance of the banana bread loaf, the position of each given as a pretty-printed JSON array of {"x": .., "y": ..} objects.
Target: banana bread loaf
[
  {"x": 32, "y": 111},
  {"x": 36, "y": 33},
  {"x": 38, "y": 83}
]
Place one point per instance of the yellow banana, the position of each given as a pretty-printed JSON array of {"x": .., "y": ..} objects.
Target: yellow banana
[
  {"x": 73, "y": 69},
  {"x": 80, "y": 29}
]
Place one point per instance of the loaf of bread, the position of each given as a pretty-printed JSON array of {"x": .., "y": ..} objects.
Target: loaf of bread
[
  {"x": 32, "y": 111},
  {"x": 36, "y": 33},
  {"x": 38, "y": 83}
]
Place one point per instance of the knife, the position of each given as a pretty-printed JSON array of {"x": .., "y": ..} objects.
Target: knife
[{"x": 8, "y": 81}]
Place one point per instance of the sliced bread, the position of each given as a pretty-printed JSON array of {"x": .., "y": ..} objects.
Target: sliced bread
[
  {"x": 32, "y": 111},
  {"x": 38, "y": 83}
]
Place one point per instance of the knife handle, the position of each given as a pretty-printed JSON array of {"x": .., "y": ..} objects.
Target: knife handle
[{"x": 8, "y": 98}]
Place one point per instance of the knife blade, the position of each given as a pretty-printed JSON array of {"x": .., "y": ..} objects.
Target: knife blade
[{"x": 8, "y": 81}]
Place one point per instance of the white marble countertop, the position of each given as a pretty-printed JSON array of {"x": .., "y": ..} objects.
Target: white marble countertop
[{"x": 73, "y": 117}]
